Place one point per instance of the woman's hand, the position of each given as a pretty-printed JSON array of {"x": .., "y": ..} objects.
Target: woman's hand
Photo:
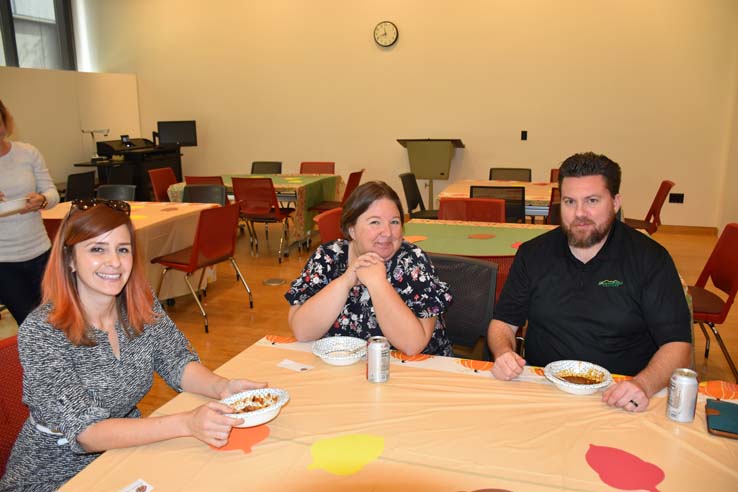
[
  {"x": 208, "y": 424},
  {"x": 370, "y": 267},
  {"x": 234, "y": 386},
  {"x": 2, "y": 196},
  {"x": 34, "y": 202}
]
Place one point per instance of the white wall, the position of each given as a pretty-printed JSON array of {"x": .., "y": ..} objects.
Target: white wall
[
  {"x": 51, "y": 107},
  {"x": 651, "y": 84}
]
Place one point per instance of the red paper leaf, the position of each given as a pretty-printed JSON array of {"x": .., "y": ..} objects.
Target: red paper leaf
[{"x": 622, "y": 470}]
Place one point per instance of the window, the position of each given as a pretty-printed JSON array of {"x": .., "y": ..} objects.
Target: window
[{"x": 37, "y": 34}]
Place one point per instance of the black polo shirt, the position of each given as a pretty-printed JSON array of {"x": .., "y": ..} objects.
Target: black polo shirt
[{"x": 616, "y": 310}]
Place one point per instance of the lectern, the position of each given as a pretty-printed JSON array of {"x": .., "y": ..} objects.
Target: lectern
[{"x": 430, "y": 158}]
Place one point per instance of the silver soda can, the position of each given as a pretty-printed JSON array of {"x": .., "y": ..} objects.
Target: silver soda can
[
  {"x": 377, "y": 360},
  {"x": 682, "y": 395}
]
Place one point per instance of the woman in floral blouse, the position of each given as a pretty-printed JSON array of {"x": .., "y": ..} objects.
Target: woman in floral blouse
[{"x": 373, "y": 282}]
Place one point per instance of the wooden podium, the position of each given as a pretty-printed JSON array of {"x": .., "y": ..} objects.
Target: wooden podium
[{"x": 430, "y": 158}]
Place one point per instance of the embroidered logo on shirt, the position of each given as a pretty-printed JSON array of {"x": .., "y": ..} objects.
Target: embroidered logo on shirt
[{"x": 610, "y": 283}]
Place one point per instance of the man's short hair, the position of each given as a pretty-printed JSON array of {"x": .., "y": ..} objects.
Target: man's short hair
[{"x": 591, "y": 164}]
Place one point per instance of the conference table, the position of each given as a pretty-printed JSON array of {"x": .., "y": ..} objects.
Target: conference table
[
  {"x": 537, "y": 195},
  {"x": 161, "y": 228},
  {"x": 438, "y": 424},
  {"x": 497, "y": 242},
  {"x": 305, "y": 190}
]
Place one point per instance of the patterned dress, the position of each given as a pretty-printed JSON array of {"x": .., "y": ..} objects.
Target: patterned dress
[
  {"x": 409, "y": 271},
  {"x": 68, "y": 388}
]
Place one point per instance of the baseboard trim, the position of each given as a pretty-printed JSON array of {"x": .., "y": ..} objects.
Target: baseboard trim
[{"x": 696, "y": 230}]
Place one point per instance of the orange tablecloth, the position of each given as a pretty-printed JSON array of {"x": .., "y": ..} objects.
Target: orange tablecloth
[
  {"x": 439, "y": 424},
  {"x": 161, "y": 228}
]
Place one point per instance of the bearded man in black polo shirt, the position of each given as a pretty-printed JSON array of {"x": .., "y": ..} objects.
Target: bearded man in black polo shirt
[{"x": 597, "y": 290}]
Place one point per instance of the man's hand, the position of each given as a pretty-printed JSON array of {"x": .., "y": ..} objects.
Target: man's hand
[
  {"x": 628, "y": 395},
  {"x": 508, "y": 366}
]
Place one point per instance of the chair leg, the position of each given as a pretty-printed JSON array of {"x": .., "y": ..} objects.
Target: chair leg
[
  {"x": 199, "y": 283},
  {"x": 725, "y": 350},
  {"x": 707, "y": 339},
  {"x": 281, "y": 239},
  {"x": 199, "y": 305},
  {"x": 243, "y": 281},
  {"x": 253, "y": 238},
  {"x": 161, "y": 282}
]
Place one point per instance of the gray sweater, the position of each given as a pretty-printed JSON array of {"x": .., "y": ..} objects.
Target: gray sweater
[{"x": 22, "y": 171}]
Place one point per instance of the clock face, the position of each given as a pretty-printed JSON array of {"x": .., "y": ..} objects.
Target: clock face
[{"x": 386, "y": 33}]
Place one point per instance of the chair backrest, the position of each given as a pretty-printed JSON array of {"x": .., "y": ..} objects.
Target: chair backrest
[
  {"x": 654, "y": 213},
  {"x": 122, "y": 174},
  {"x": 317, "y": 168},
  {"x": 472, "y": 209},
  {"x": 554, "y": 177},
  {"x": 161, "y": 179},
  {"x": 510, "y": 173},
  {"x": 257, "y": 196},
  {"x": 215, "y": 237},
  {"x": 80, "y": 185},
  {"x": 554, "y": 208},
  {"x": 266, "y": 167},
  {"x": 117, "y": 192},
  {"x": 204, "y": 180},
  {"x": 412, "y": 192},
  {"x": 514, "y": 197},
  {"x": 204, "y": 193},
  {"x": 722, "y": 267},
  {"x": 473, "y": 283},
  {"x": 353, "y": 182},
  {"x": 13, "y": 413},
  {"x": 329, "y": 225}
]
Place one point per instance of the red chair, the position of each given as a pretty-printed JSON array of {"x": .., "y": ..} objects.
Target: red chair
[
  {"x": 329, "y": 225},
  {"x": 13, "y": 412},
  {"x": 215, "y": 242},
  {"x": 722, "y": 270},
  {"x": 317, "y": 168},
  {"x": 554, "y": 176},
  {"x": 472, "y": 209},
  {"x": 161, "y": 179},
  {"x": 653, "y": 218},
  {"x": 259, "y": 203},
  {"x": 554, "y": 207},
  {"x": 353, "y": 182}
]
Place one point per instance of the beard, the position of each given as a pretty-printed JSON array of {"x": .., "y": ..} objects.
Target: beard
[{"x": 587, "y": 239}]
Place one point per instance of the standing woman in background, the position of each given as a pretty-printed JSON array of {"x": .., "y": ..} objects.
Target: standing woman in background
[{"x": 24, "y": 244}]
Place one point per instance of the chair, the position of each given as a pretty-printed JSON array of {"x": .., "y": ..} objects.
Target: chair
[
  {"x": 161, "y": 179},
  {"x": 413, "y": 198},
  {"x": 554, "y": 176},
  {"x": 215, "y": 242},
  {"x": 80, "y": 185},
  {"x": 472, "y": 209},
  {"x": 258, "y": 201},
  {"x": 514, "y": 197},
  {"x": 206, "y": 180},
  {"x": 204, "y": 193},
  {"x": 317, "y": 168},
  {"x": 353, "y": 182},
  {"x": 123, "y": 192},
  {"x": 722, "y": 270},
  {"x": 554, "y": 208},
  {"x": 653, "y": 218},
  {"x": 329, "y": 225},
  {"x": 13, "y": 412},
  {"x": 122, "y": 174},
  {"x": 473, "y": 283},
  {"x": 510, "y": 173},
  {"x": 266, "y": 167}
]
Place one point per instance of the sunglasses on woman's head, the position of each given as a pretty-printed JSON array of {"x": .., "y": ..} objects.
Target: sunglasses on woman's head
[{"x": 87, "y": 203}]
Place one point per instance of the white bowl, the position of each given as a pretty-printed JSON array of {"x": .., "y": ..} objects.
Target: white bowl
[
  {"x": 340, "y": 351},
  {"x": 12, "y": 206},
  {"x": 577, "y": 368},
  {"x": 263, "y": 415}
]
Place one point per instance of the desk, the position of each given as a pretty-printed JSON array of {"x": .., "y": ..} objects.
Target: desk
[
  {"x": 305, "y": 190},
  {"x": 438, "y": 424},
  {"x": 161, "y": 228},
  {"x": 497, "y": 242},
  {"x": 537, "y": 195}
]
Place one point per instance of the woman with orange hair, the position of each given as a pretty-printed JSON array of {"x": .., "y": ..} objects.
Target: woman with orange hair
[{"x": 89, "y": 353}]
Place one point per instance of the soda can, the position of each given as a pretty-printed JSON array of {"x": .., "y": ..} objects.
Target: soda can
[
  {"x": 682, "y": 395},
  {"x": 377, "y": 360}
]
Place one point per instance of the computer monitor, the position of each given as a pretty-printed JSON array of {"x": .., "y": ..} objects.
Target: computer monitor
[{"x": 182, "y": 133}]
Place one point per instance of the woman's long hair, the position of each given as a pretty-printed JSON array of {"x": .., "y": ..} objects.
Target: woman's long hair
[{"x": 59, "y": 285}]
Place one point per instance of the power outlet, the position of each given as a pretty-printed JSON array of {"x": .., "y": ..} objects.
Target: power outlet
[
  {"x": 676, "y": 197},
  {"x": 523, "y": 134}
]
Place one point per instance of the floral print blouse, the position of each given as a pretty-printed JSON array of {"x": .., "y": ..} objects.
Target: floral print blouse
[{"x": 409, "y": 271}]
